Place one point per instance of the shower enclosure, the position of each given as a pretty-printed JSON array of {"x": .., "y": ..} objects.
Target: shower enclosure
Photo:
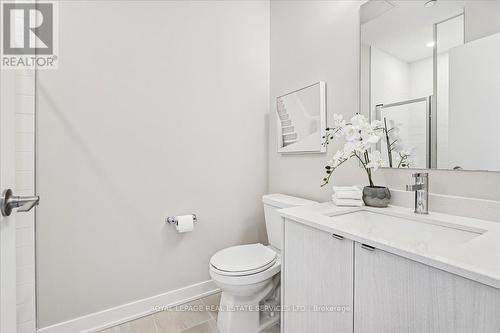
[{"x": 416, "y": 130}]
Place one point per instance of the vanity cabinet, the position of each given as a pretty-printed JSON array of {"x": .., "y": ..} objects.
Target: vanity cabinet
[
  {"x": 317, "y": 272},
  {"x": 394, "y": 294},
  {"x": 390, "y": 293}
]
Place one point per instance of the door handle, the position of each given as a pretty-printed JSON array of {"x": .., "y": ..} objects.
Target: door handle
[{"x": 9, "y": 201}]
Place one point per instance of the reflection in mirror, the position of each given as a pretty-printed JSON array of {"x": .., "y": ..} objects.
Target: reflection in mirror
[
  {"x": 301, "y": 119},
  {"x": 431, "y": 70},
  {"x": 406, "y": 147}
]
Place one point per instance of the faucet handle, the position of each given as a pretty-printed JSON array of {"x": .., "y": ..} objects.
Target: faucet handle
[
  {"x": 421, "y": 188},
  {"x": 420, "y": 175},
  {"x": 415, "y": 187}
]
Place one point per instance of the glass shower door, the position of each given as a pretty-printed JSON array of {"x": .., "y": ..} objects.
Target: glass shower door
[{"x": 410, "y": 125}]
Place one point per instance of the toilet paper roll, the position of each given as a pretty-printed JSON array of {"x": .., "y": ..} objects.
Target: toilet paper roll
[{"x": 185, "y": 223}]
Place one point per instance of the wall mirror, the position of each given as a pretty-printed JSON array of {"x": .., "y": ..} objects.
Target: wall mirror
[
  {"x": 301, "y": 120},
  {"x": 431, "y": 71}
]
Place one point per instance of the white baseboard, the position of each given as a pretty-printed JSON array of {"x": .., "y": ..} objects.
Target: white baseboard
[{"x": 123, "y": 313}]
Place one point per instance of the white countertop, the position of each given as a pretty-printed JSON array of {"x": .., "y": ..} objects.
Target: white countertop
[{"x": 465, "y": 246}]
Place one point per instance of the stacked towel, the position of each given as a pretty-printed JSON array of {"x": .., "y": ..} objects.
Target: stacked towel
[{"x": 347, "y": 196}]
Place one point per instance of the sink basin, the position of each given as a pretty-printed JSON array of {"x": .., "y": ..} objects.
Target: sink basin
[{"x": 419, "y": 233}]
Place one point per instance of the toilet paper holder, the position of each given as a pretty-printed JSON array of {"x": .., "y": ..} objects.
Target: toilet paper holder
[{"x": 172, "y": 220}]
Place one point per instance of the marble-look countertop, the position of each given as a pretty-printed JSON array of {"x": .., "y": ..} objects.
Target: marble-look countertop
[{"x": 471, "y": 249}]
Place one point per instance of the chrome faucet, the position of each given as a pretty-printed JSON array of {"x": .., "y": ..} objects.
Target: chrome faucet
[{"x": 421, "y": 189}]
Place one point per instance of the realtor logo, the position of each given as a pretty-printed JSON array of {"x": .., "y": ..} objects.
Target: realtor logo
[{"x": 29, "y": 34}]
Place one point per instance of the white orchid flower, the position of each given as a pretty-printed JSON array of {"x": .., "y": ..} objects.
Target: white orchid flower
[
  {"x": 378, "y": 128},
  {"x": 405, "y": 152},
  {"x": 338, "y": 121},
  {"x": 349, "y": 147},
  {"x": 338, "y": 158},
  {"x": 369, "y": 137},
  {"x": 352, "y": 134},
  {"x": 377, "y": 124},
  {"x": 360, "y": 137},
  {"x": 338, "y": 155},
  {"x": 404, "y": 161},
  {"x": 354, "y": 147},
  {"x": 359, "y": 122}
]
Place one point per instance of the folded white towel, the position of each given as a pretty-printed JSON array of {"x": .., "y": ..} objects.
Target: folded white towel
[
  {"x": 347, "y": 202},
  {"x": 345, "y": 188},
  {"x": 354, "y": 194},
  {"x": 347, "y": 192}
]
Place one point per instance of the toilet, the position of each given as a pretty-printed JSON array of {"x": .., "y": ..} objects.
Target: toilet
[{"x": 248, "y": 275}]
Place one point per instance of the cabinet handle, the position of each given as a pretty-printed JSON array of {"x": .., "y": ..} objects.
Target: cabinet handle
[
  {"x": 367, "y": 247},
  {"x": 337, "y": 236}
]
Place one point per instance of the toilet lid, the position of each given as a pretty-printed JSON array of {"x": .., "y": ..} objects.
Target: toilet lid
[{"x": 244, "y": 259}]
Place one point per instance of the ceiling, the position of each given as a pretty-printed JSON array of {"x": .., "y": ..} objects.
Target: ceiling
[{"x": 404, "y": 28}]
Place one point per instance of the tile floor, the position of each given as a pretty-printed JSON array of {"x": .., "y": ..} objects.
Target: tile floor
[{"x": 203, "y": 321}]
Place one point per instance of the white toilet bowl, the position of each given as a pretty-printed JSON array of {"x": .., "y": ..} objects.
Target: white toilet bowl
[
  {"x": 247, "y": 285},
  {"x": 249, "y": 275}
]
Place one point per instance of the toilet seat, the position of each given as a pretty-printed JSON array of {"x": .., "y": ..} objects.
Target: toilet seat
[
  {"x": 245, "y": 280},
  {"x": 250, "y": 264},
  {"x": 242, "y": 273},
  {"x": 243, "y": 260}
]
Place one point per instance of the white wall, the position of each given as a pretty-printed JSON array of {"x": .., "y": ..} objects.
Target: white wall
[
  {"x": 443, "y": 107},
  {"x": 332, "y": 55},
  {"x": 390, "y": 78},
  {"x": 482, "y": 18},
  {"x": 158, "y": 108},
  {"x": 421, "y": 85},
  {"x": 420, "y": 78},
  {"x": 474, "y": 143},
  {"x": 365, "y": 75},
  {"x": 313, "y": 41}
]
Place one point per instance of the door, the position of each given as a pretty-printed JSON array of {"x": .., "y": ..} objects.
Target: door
[
  {"x": 17, "y": 170},
  {"x": 397, "y": 295},
  {"x": 317, "y": 281},
  {"x": 7, "y": 224}
]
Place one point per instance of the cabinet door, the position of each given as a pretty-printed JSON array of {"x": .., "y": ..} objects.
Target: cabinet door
[
  {"x": 317, "y": 281},
  {"x": 397, "y": 295}
]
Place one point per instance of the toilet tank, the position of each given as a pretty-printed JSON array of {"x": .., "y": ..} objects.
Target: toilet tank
[{"x": 274, "y": 222}]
